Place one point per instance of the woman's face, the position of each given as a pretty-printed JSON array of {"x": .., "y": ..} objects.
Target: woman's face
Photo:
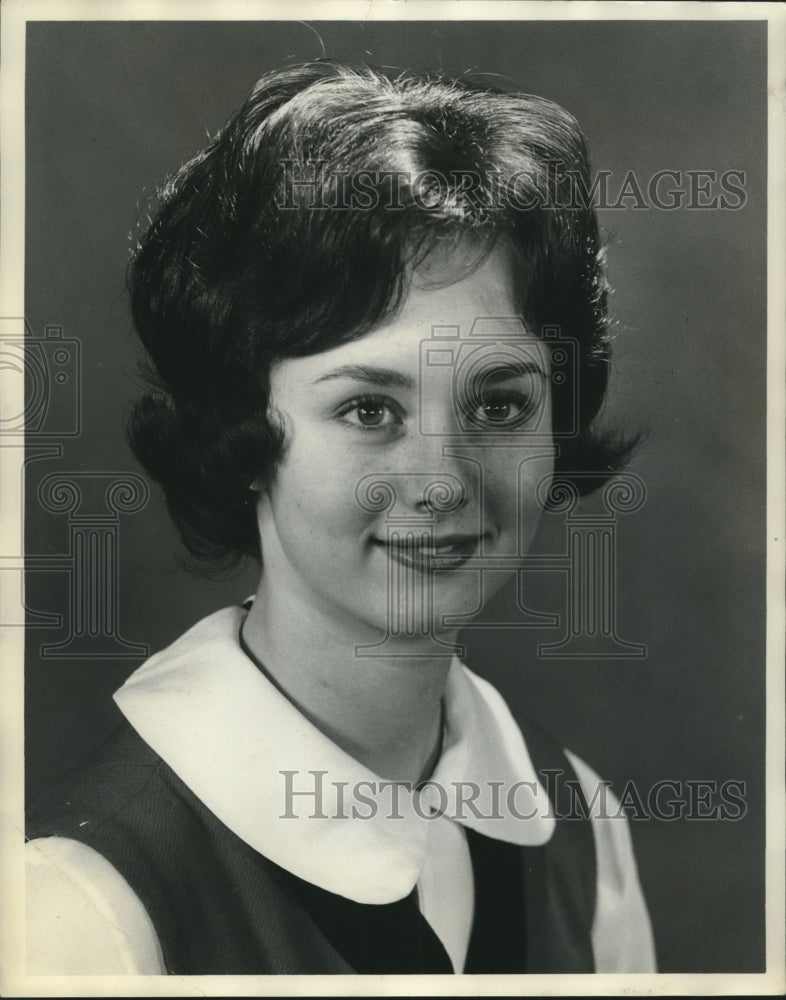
[{"x": 411, "y": 461}]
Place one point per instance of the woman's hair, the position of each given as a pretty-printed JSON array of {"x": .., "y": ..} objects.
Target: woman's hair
[{"x": 296, "y": 229}]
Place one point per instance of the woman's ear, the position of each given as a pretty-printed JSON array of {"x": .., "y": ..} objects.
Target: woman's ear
[{"x": 255, "y": 486}]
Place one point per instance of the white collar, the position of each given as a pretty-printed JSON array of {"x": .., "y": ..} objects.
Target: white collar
[{"x": 228, "y": 733}]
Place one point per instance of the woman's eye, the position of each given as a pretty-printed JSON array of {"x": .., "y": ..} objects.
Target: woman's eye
[
  {"x": 504, "y": 409},
  {"x": 370, "y": 413}
]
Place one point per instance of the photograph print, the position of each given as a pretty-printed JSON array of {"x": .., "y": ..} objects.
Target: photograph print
[{"x": 393, "y": 447}]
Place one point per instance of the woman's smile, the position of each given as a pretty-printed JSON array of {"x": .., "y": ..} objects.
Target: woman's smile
[{"x": 417, "y": 549}]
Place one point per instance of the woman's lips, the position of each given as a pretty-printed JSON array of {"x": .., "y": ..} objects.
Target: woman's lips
[{"x": 418, "y": 550}]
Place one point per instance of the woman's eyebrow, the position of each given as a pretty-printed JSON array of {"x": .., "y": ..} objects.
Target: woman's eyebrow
[
  {"x": 512, "y": 370},
  {"x": 370, "y": 375}
]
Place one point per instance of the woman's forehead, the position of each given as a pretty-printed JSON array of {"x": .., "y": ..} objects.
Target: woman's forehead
[
  {"x": 454, "y": 256},
  {"x": 474, "y": 313}
]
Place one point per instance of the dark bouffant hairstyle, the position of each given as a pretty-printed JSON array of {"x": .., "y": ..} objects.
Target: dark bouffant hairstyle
[{"x": 294, "y": 230}]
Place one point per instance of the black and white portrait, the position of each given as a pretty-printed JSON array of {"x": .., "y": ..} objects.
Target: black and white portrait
[{"x": 385, "y": 476}]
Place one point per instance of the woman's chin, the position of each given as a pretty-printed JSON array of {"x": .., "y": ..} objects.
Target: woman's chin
[{"x": 422, "y": 612}]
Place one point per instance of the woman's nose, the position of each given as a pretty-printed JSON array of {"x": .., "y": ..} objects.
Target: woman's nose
[
  {"x": 412, "y": 496},
  {"x": 437, "y": 475},
  {"x": 441, "y": 493}
]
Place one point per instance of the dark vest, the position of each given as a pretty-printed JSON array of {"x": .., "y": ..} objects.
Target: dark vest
[{"x": 219, "y": 907}]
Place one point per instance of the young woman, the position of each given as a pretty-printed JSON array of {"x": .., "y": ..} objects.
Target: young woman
[{"x": 352, "y": 300}]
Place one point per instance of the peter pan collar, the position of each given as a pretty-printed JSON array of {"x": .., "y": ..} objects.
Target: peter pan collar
[{"x": 205, "y": 708}]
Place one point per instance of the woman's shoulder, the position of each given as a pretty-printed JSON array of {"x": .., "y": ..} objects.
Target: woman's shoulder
[
  {"x": 117, "y": 771},
  {"x": 82, "y": 916},
  {"x": 588, "y": 817}
]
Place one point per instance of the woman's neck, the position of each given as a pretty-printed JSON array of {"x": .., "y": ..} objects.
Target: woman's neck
[{"x": 385, "y": 711}]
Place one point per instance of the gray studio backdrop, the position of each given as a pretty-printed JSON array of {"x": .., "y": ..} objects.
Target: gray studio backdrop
[{"x": 113, "y": 107}]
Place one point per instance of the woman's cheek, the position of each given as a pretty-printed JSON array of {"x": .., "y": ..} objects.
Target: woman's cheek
[
  {"x": 327, "y": 482},
  {"x": 533, "y": 494},
  {"x": 513, "y": 493}
]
